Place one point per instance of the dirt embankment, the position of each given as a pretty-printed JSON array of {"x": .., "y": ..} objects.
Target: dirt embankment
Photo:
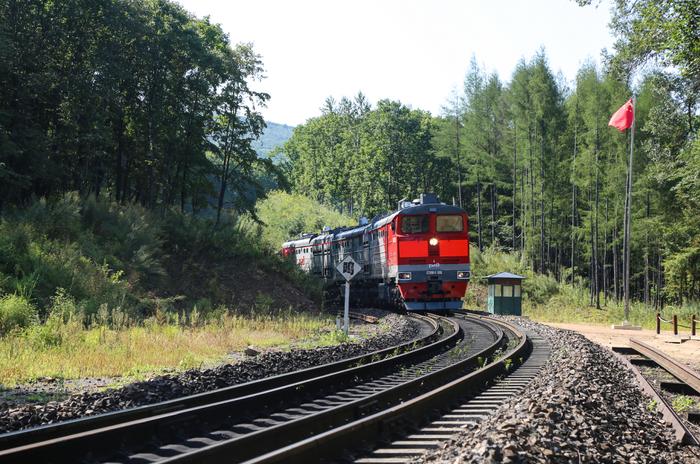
[{"x": 235, "y": 284}]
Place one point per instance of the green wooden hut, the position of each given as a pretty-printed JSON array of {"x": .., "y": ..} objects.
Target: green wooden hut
[{"x": 505, "y": 290}]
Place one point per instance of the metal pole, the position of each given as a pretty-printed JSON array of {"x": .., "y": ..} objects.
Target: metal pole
[
  {"x": 628, "y": 218},
  {"x": 658, "y": 323},
  {"x": 346, "y": 315}
]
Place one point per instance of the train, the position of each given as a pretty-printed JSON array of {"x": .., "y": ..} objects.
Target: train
[{"x": 415, "y": 258}]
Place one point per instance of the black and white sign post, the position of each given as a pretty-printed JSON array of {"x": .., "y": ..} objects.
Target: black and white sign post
[{"x": 349, "y": 269}]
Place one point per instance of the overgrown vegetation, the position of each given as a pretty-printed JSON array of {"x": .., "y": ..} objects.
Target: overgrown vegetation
[
  {"x": 102, "y": 262},
  {"x": 286, "y": 216},
  {"x": 109, "y": 258},
  {"x": 92, "y": 287},
  {"x": 547, "y": 300},
  {"x": 65, "y": 349}
]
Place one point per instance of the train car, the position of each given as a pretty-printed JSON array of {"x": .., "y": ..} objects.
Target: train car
[
  {"x": 300, "y": 251},
  {"x": 416, "y": 258}
]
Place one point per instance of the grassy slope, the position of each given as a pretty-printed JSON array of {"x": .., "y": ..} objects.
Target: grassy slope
[{"x": 91, "y": 288}]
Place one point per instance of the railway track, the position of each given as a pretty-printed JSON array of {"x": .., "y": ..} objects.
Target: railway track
[
  {"x": 662, "y": 377},
  {"x": 271, "y": 420},
  {"x": 463, "y": 412},
  {"x": 431, "y": 333},
  {"x": 401, "y": 433}
]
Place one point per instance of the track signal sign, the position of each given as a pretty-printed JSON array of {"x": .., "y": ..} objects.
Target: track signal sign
[{"x": 348, "y": 268}]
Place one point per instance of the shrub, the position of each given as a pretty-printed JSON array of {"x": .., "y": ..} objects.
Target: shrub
[
  {"x": 537, "y": 288},
  {"x": 16, "y": 312},
  {"x": 286, "y": 215}
]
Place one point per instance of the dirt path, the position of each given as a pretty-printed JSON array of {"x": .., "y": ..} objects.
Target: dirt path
[{"x": 687, "y": 352}]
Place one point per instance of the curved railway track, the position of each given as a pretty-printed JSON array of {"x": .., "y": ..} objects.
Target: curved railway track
[
  {"x": 430, "y": 333},
  {"x": 274, "y": 419}
]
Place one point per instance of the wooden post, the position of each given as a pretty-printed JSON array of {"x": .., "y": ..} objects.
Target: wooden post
[
  {"x": 692, "y": 325},
  {"x": 658, "y": 323},
  {"x": 675, "y": 324}
]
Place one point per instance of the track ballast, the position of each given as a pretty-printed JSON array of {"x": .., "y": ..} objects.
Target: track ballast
[{"x": 265, "y": 426}]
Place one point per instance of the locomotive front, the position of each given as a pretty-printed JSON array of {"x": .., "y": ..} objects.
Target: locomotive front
[{"x": 431, "y": 260}]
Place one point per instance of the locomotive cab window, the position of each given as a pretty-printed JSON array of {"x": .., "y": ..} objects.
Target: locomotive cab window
[
  {"x": 450, "y": 223},
  {"x": 414, "y": 224}
]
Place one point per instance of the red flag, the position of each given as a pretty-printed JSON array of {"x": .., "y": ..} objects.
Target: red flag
[{"x": 623, "y": 118}]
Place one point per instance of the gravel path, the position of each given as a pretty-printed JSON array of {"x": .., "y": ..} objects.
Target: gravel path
[
  {"x": 399, "y": 330},
  {"x": 584, "y": 407}
]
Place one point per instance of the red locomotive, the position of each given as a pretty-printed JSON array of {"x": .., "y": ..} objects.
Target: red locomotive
[{"x": 416, "y": 258}]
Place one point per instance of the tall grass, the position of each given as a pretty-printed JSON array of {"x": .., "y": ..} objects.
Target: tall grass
[
  {"x": 66, "y": 349},
  {"x": 546, "y": 300},
  {"x": 81, "y": 290},
  {"x": 98, "y": 253}
]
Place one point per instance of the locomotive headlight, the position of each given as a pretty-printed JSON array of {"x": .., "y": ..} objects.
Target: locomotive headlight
[
  {"x": 433, "y": 241},
  {"x": 404, "y": 276},
  {"x": 463, "y": 274}
]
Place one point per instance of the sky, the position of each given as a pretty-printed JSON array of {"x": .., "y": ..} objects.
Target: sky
[{"x": 414, "y": 51}]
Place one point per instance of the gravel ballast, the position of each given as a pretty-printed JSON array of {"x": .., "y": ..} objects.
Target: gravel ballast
[
  {"x": 165, "y": 387},
  {"x": 584, "y": 406}
]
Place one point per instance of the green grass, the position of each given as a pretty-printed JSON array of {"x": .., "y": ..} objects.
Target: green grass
[
  {"x": 73, "y": 351},
  {"x": 571, "y": 305},
  {"x": 546, "y": 300},
  {"x": 92, "y": 288},
  {"x": 683, "y": 403},
  {"x": 286, "y": 216}
]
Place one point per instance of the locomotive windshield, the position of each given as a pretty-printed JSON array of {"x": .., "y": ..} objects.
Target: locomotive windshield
[
  {"x": 414, "y": 224},
  {"x": 451, "y": 223}
]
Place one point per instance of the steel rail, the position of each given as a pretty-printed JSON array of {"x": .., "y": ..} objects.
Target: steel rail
[
  {"x": 74, "y": 426},
  {"x": 327, "y": 444},
  {"x": 93, "y": 441},
  {"x": 259, "y": 443},
  {"x": 680, "y": 371},
  {"x": 681, "y": 432}
]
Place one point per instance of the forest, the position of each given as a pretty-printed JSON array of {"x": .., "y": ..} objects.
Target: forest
[
  {"x": 141, "y": 103},
  {"x": 534, "y": 163},
  {"x": 136, "y": 100}
]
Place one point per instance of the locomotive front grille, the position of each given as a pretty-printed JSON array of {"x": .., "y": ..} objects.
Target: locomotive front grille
[{"x": 434, "y": 286}]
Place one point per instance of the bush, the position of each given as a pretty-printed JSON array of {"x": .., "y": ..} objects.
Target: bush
[
  {"x": 16, "y": 312},
  {"x": 537, "y": 288},
  {"x": 126, "y": 259},
  {"x": 286, "y": 216}
]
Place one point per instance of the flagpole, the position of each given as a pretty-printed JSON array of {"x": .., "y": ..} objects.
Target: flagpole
[{"x": 628, "y": 214}]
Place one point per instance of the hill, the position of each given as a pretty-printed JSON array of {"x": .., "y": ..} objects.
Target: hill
[{"x": 274, "y": 135}]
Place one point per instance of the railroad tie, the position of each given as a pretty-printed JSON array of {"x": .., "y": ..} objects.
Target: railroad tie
[{"x": 468, "y": 413}]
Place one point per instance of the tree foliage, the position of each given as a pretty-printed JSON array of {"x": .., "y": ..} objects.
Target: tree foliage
[
  {"x": 363, "y": 160},
  {"x": 124, "y": 98},
  {"x": 537, "y": 168}
]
